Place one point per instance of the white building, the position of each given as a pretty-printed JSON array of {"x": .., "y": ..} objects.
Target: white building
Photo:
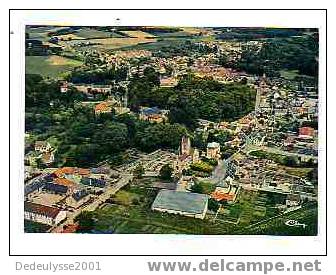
[
  {"x": 213, "y": 150},
  {"x": 182, "y": 203},
  {"x": 42, "y": 146},
  {"x": 43, "y": 214}
]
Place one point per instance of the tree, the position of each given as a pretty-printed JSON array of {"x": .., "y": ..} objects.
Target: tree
[
  {"x": 138, "y": 171},
  {"x": 203, "y": 187},
  {"x": 213, "y": 205},
  {"x": 85, "y": 221},
  {"x": 166, "y": 172},
  {"x": 290, "y": 161}
]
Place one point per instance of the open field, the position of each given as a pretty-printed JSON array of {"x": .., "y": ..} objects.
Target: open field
[
  {"x": 130, "y": 213},
  {"x": 41, "y": 33},
  {"x": 289, "y": 74},
  {"x": 296, "y": 171},
  {"x": 111, "y": 43},
  {"x": 138, "y": 34},
  {"x": 88, "y": 33},
  {"x": 51, "y": 66}
]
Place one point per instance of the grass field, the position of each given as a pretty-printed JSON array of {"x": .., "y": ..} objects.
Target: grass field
[
  {"x": 50, "y": 66},
  {"x": 41, "y": 33},
  {"x": 127, "y": 216},
  {"x": 138, "y": 34},
  {"x": 296, "y": 171},
  {"x": 289, "y": 74},
  {"x": 88, "y": 33},
  {"x": 111, "y": 43}
]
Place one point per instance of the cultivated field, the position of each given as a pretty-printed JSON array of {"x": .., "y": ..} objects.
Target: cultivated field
[{"x": 51, "y": 66}]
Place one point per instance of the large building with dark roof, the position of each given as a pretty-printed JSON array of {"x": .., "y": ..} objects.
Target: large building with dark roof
[
  {"x": 43, "y": 214},
  {"x": 182, "y": 203}
]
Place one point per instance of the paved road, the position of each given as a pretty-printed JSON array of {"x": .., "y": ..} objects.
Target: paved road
[
  {"x": 257, "y": 102},
  {"x": 220, "y": 172}
]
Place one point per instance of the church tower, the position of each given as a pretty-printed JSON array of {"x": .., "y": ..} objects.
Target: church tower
[{"x": 185, "y": 146}]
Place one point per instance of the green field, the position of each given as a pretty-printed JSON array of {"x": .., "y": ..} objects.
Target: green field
[
  {"x": 289, "y": 74},
  {"x": 128, "y": 216},
  {"x": 50, "y": 66},
  {"x": 89, "y": 33}
]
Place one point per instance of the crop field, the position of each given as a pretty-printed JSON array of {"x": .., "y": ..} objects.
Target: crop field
[
  {"x": 41, "y": 33},
  {"x": 111, "y": 43},
  {"x": 138, "y": 34},
  {"x": 51, "y": 66},
  {"x": 88, "y": 33}
]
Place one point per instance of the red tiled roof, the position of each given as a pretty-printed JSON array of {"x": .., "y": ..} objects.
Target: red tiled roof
[
  {"x": 48, "y": 211},
  {"x": 103, "y": 107},
  {"x": 306, "y": 131},
  {"x": 219, "y": 196},
  {"x": 82, "y": 171},
  {"x": 65, "y": 182}
]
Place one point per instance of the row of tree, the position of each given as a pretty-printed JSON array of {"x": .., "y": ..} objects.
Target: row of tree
[{"x": 294, "y": 53}]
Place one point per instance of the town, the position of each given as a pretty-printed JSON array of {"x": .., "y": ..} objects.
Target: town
[{"x": 171, "y": 130}]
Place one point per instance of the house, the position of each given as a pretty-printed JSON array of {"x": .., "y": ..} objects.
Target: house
[
  {"x": 228, "y": 193},
  {"x": 65, "y": 182},
  {"x": 56, "y": 188},
  {"x": 93, "y": 89},
  {"x": 79, "y": 194},
  {"x": 48, "y": 157},
  {"x": 64, "y": 87},
  {"x": 153, "y": 114},
  {"x": 168, "y": 81},
  {"x": 306, "y": 132},
  {"x": 213, "y": 150},
  {"x": 183, "y": 203},
  {"x": 43, "y": 214},
  {"x": 93, "y": 182},
  {"x": 293, "y": 200},
  {"x": 103, "y": 107},
  {"x": 42, "y": 146}
]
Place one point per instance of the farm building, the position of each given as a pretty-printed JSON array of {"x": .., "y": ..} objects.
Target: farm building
[
  {"x": 183, "y": 203},
  {"x": 43, "y": 214}
]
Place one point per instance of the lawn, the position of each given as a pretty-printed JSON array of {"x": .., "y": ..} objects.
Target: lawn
[{"x": 50, "y": 66}]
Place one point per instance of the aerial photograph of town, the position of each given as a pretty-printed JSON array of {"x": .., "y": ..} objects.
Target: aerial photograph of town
[{"x": 171, "y": 130}]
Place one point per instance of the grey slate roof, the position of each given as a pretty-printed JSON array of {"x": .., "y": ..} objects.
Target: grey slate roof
[{"x": 180, "y": 201}]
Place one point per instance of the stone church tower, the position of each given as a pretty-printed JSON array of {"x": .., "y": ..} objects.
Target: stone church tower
[{"x": 185, "y": 146}]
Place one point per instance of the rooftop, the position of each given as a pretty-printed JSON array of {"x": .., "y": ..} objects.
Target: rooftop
[
  {"x": 180, "y": 201},
  {"x": 213, "y": 145},
  {"x": 48, "y": 211}
]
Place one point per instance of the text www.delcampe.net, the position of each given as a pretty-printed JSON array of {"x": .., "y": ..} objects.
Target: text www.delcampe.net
[{"x": 233, "y": 266}]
